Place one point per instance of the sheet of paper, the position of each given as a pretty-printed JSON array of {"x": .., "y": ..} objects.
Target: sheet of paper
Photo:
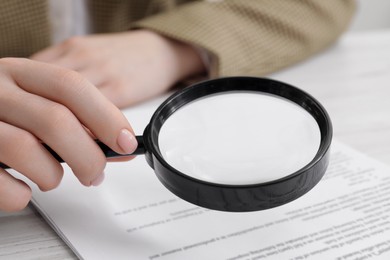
[
  {"x": 346, "y": 216},
  {"x": 132, "y": 216}
]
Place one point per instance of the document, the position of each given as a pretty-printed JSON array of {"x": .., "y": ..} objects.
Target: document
[
  {"x": 133, "y": 216},
  {"x": 345, "y": 217}
]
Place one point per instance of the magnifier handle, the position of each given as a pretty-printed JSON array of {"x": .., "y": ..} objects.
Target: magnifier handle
[{"x": 106, "y": 150}]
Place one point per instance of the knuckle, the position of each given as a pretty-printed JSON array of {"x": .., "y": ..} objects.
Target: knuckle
[
  {"x": 89, "y": 171},
  {"x": 18, "y": 143},
  {"x": 20, "y": 200},
  {"x": 73, "y": 41},
  {"x": 69, "y": 77},
  {"x": 98, "y": 167},
  {"x": 15, "y": 201},
  {"x": 60, "y": 112},
  {"x": 71, "y": 82},
  {"x": 59, "y": 118},
  {"x": 85, "y": 53},
  {"x": 79, "y": 47},
  {"x": 52, "y": 181}
]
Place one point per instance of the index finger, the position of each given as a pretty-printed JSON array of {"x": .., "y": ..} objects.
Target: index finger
[{"x": 70, "y": 89}]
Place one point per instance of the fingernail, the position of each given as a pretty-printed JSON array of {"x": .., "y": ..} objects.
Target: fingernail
[
  {"x": 98, "y": 180},
  {"x": 127, "y": 141}
]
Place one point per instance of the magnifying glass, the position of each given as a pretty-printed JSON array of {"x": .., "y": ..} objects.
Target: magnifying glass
[{"x": 236, "y": 144}]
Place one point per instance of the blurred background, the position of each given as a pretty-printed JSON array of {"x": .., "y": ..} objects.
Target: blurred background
[{"x": 372, "y": 15}]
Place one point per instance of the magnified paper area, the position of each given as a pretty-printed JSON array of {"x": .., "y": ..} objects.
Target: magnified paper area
[{"x": 239, "y": 138}]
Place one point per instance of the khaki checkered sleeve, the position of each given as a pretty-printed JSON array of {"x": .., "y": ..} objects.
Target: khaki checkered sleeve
[
  {"x": 254, "y": 37},
  {"x": 24, "y": 28}
]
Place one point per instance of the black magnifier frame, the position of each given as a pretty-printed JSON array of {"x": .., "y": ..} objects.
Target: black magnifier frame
[
  {"x": 239, "y": 198},
  {"x": 227, "y": 197}
]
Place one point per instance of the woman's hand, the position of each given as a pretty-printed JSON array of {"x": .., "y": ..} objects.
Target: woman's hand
[
  {"x": 45, "y": 103},
  {"x": 127, "y": 67}
]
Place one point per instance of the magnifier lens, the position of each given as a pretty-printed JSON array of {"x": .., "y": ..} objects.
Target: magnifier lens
[{"x": 239, "y": 138}]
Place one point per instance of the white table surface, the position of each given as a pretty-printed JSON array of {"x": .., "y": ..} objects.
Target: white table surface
[{"x": 352, "y": 81}]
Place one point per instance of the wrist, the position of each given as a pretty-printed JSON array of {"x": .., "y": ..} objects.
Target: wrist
[
  {"x": 189, "y": 60},
  {"x": 181, "y": 60}
]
